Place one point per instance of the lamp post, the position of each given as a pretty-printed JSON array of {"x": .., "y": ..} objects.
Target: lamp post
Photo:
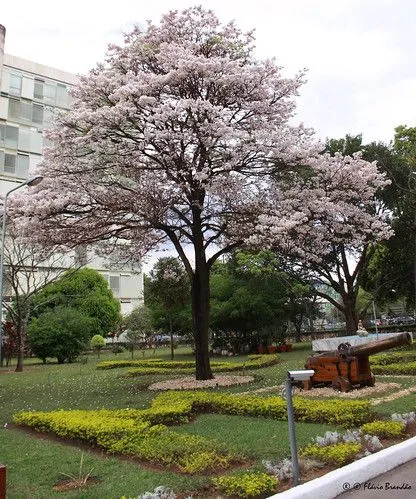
[
  {"x": 294, "y": 377},
  {"x": 30, "y": 182}
]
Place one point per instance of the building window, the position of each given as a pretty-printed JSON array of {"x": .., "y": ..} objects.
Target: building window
[
  {"x": 38, "y": 92},
  {"x": 49, "y": 94},
  {"x": 8, "y": 136},
  {"x": 22, "y": 169},
  {"x": 37, "y": 114},
  {"x": 25, "y": 111},
  {"x": 14, "y": 109},
  {"x": 10, "y": 164},
  {"x": 61, "y": 95},
  {"x": 11, "y": 137},
  {"x": 16, "y": 165},
  {"x": 115, "y": 284},
  {"x": 15, "y": 87}
]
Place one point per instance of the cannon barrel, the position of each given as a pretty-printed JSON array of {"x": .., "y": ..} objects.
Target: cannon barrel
[{"x": 378, "y": 346}]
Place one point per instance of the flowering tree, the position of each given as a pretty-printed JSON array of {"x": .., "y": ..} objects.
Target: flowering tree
[
  {"x": 177, "y": 138},
  {"x": 326, "y": 220}
]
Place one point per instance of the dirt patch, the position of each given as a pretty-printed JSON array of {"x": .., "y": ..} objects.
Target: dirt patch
[
  {"x": 69, "y": 484},
  {"x": 328, "y": 391},
  {"x": 190, "y": 383},
  {"x": 365, "y": 391}
]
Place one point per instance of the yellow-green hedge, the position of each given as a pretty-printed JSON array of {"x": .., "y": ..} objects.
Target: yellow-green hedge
[
  {"x": 384, "y": 428},
  {"x": 408, "y": 368},
  {"x": 393, "y": 358},
  {"x": 339, "y": 454},
  {"x": 348, "y": 413},
  {"x": 247, "y": 484},
  {"x": 142, "y": 432},
  {"x": 125, "y": 432},
  {"x": 157, "y": 366}
]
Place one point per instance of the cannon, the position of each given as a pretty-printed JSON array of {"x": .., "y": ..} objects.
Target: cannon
[{"x": 349, "y": 365}]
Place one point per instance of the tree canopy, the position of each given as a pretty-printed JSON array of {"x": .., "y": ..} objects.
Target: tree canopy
[
  {"x": 183, "y": 136},
  {"x": 87, "y": 291}
]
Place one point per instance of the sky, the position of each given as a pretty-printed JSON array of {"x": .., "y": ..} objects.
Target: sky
[{"x": 359, "y": 53}]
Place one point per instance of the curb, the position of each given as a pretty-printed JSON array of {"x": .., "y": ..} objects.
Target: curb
[{"x": 330, "y": 485}]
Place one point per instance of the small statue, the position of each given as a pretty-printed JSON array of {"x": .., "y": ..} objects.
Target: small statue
[{"x": 361, "y": 331}]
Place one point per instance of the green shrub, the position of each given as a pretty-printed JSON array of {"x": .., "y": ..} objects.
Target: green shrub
[
  {"x": 62, "y": 333},
  {"x": 332, "y": 454},
  {"x": 115, "y": 364},
  {"x": 148, "y": 371},
  {"x": 346, "y": 413},
  {"x": 393, "y": 358},
  {"x": 126, "y": 431},
  {"x": 97, "y": 343},
  {"x": 247, "y": 484},
  {"x": 384, "y": 428},
  {"x": 142, "y": 432},
  {"x": 408, "y": 368},
  {"x": 158, "y": 366}
]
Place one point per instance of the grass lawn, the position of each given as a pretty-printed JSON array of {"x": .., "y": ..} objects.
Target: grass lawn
[{"x": 35, "y": 463}]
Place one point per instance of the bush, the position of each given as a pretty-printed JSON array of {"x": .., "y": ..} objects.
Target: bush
[
  {"x": 384, "y": 428},
  {"x": 62, "y": 333},
  {"x": 85, "y": 290},
  {"x": 158, "y": 366},
  {"x": 333, "y": 411},
  {"x": 97, "y": 343},
  {"x": 408, "y": 368},
  {"x": 393, "y": 358},
  {"x": 339, "y": 454},
  {"x": 247, "y": 484},
  {"x": 127, "y": 431}
]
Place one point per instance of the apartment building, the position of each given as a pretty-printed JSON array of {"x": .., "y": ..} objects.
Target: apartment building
[{"x": 29, "y": 94}]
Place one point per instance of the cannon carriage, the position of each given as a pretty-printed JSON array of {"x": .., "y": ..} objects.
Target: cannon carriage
[{"x": 349, "y": 366}]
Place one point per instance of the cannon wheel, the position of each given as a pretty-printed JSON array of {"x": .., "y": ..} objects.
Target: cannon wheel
[
  {"x": 341, "y": 384},
  {"x": 343, "y": 347}
]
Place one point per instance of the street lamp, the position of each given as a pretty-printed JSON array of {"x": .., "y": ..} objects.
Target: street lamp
[
  {"x": 294, "y": 377},
  {"x": 30, "y": 182}
]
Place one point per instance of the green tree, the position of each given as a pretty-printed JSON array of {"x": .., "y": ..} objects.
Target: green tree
[
  {"x": 169, "y": 296},
  {"x": 138, "y": 327},
  {"x": 253, "y": 299},
  {"x": 87, "y": 291},
  {"x": 62, "y": 333},
  {"x": 97, "y": 343},
  {"x": 391, "y": 272}
]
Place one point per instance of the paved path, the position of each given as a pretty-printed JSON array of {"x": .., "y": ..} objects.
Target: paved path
[{"x": 386, "y": 485}]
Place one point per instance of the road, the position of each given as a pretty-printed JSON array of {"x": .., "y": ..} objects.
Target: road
[{"x": 399, "y": 483}]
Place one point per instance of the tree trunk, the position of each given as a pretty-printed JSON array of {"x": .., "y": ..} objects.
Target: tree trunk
[
  {"x": 200, "y": 316},
  {"x": 172, "y": 350},
  {"x": 350, "y": 312},
  {"x": 21, "y": 347}
]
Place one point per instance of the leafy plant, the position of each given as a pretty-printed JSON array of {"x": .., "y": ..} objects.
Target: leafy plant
[
  {"x": 247, "y": 484},
  {"x": 339, "y": 454},
  {"x": 97, "y": 343},
  {"x": 384, "y": 428},
  {"x": 81, "y": 479},
  {"x": 62, "y": 333}
]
